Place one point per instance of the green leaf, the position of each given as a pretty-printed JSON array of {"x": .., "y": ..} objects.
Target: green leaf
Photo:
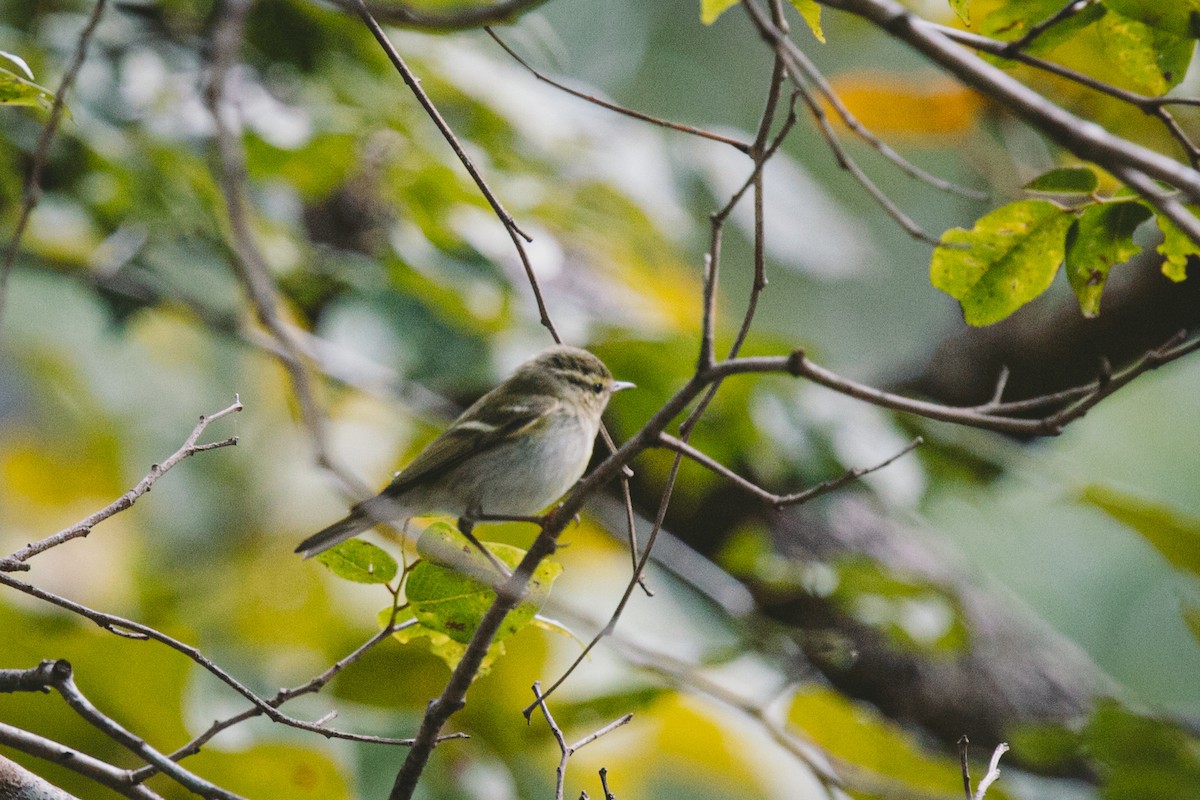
[
  {"x": 1175, "y": 536},
  {"x": 359, "y": 561},
  {"x": 1009, "y": 258},
  {"x": 440, "y": 645},
  {"x": 1175, "y": 248},
  {"x": 711, "y": 9},
  {"x": 1150, "y": 43},
  {"x": 1066, "y": 180},
  {"x": 1046, "y": 746},
  {"x": 1013, "y": 19},
  {"x": 1142, "y": 756},
  {"x": 810, "y": 11},
  {"x": 961, "y": 8},
  {"x": 18, "y": 91},
  {"x": 450, "y": 590},
  {"x": 1101, "y": 238}
]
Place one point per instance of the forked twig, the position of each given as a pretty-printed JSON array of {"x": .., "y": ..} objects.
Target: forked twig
[{"x": 16, "y": 561}]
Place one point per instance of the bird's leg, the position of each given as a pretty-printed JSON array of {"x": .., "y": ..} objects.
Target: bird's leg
[{"x": 466, "y": 524}]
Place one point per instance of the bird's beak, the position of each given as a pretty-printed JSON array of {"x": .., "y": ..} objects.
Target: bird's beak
[{"x": 620, "y": 385}]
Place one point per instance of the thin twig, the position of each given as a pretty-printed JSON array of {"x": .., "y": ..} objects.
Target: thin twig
[
  {"x": 793, "y": 59},
  {"x": 779, "y": 501},
  {"x": 608, "y": 795},
  {"x": 817, "y": 79},
  {"x": 1035, "y": 31},
  {"x": 565, "y": 749},
  {"x": 1079, "y": 400},
  {"x": 33, "y": 182},
  {"x": 131, "y": 629},
  {"x": 510, "y": 225},
  {"x": 281, "y": 697},
  {"x": 835, "y": 774},
  {"x": 993, "y": 772},
  {"x": 761, "y": 155},
  {"x": 963, "y": 745},
  {"x": 629, "y": 112},
  {"x": 16, "y": 561},
  {"x": 1084, "y": 138}
]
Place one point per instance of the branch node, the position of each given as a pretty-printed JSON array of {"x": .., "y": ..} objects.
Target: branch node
[{"x": 796, "y": 362}]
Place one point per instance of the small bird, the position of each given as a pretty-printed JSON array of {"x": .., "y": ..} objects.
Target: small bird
[{"x": 515, "y": 451}]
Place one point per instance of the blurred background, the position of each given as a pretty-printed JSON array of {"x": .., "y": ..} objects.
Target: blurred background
[{"x": 982, "y": 585}]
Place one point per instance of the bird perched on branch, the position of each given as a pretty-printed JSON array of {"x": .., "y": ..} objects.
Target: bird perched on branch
[{"x": 515, "y": 451}]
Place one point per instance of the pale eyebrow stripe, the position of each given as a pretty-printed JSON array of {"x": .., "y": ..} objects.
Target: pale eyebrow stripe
[{"x": 476, "y": 425}]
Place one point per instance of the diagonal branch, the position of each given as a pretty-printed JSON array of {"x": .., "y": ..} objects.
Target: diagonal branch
[
  {"x": 1153, "y": 106},
  {"x": 57, "y": 675},
  {"x": 510, "y": 225},
  {"x": 135, "y": 630},
  {"x": 103, "y": 773},
  {"x": 1084, "y": 138},
  {"x": 629, "y": 112},
  {"x": 16, "y": 561}
]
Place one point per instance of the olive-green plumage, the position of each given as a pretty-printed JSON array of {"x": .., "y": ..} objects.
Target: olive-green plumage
[{"x": 515, "y": 451}]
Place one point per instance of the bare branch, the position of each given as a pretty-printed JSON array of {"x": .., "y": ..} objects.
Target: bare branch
[
  {"x": 248, "y": 261},
  {"x": 21, "y": 784},
  {"x": 136, "y": 630},
  {"x": 16, "y": 561},
  {"x": 832, "y": 772},
  {"x": 1085, "y": 139},
  {"x": 793, "y": 57},
  {"x": 57, "y": 675},
  {"x": 33, "y": 182},
  {"x": 1078, "y": 401},
  {"x": 779, "y": 501},
  {"x": 283, "y": 696},
  {"x": 1153, "y": 106},
  {"x": 799, "y": 59},
  {"x": 115, "y": 778}
]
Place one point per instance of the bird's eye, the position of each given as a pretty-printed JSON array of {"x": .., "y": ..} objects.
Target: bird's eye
[{"x": 597, "y": 387}]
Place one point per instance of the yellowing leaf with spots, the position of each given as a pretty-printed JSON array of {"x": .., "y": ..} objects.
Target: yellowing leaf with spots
[{"x": 1008, "y": 258}]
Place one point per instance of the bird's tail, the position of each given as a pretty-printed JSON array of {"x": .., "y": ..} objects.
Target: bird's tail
[{"x": 357, "y": 522}]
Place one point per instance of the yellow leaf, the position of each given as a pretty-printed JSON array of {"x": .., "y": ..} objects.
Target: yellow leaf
[
  {"x": 853, "y": 733},
  {"x": 891, "y": 104},
  {"x": 711, "y": 9},
  {"x": 811, "y": 12}
]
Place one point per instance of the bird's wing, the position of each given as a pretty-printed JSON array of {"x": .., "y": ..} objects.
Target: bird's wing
[{"x": 480, "y": 428}]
